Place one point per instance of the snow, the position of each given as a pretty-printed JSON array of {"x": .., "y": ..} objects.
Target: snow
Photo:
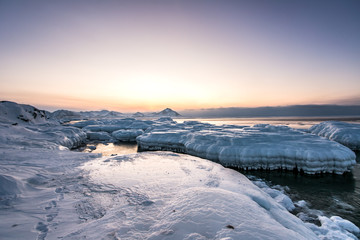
[
  {"x": 161, "y": 195},
  {"x": 259, "y": 147},
  {"x": 14, "y": 113},
  {"x": 49, "y": 192},
  {"x": 347, "y": 134},
  {"x": 167, "y": 112}
]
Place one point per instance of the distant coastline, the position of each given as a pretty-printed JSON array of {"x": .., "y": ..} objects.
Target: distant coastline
[{"x": 295, "y": 111}]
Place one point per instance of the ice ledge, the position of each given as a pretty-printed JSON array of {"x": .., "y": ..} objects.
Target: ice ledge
[{"x": 258, "y": 147}]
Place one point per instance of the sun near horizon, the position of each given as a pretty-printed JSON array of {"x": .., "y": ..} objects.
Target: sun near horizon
[{"x": 145, "y": 56}]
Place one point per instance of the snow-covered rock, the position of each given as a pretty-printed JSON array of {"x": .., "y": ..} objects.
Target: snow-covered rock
[
  {"x": 259, "y": 147},
  {"x": 347, "y": 134},
  {"x": 167, "y": 112},
  {"x": 25, "y": 126},
  {"x": 14, "y": 113},
  {"x": 138, "y": 114},
  {"x": 65, "y": 116},
  {"x": 101, "y": 114}
]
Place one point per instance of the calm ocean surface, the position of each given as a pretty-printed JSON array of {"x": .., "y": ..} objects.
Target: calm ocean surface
[{"x": 332, "y": 194}]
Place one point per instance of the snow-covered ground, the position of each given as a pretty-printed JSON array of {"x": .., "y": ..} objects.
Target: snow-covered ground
[
  {"x": 50, "y": 192},
  {"x": 347, "y": 134}
]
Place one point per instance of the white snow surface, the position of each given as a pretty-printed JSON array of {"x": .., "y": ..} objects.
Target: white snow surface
[
  {"x": 14, "y": 113},
  {"x": 165, "y": 195},
  {"x": 49, "y": 192},
  {"x": 347, "y": 134},
  {"x": 261, "y": 146}
]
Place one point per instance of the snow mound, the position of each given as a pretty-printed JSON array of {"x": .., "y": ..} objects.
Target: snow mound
[
  {"x": 14, "y": 113},
  {"x": 259, "y": 147},
  {"x": 347, "y": 134},
  {"x": 8, "y": 186},
  {"x": 172, "y": 196}
]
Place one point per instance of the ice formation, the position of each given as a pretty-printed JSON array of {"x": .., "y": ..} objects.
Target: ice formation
[
  {"x": 347, "y": 134},
  {"x": 127, "y": 135},
  {"x": 259, "y": 147},
  {"x": 49, "y": 192}
]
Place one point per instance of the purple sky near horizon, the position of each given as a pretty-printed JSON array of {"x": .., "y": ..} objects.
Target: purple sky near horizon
[{"x": 147, "y": 55}]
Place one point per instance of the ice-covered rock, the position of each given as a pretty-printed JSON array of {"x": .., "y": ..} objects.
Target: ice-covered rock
[
  {"x": 41, "y": 136},
  {"x": 127, "y": 135},
  {"x": 118, "y": 124},
  {"x": 335, "y": 228},
  {"x": 259, "y": 147},
  {"x": 100, "y": 136},
  {"x": 347, "y": 134}
]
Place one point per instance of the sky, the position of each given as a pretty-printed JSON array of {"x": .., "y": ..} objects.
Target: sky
[{"x": 148, "y": 55}]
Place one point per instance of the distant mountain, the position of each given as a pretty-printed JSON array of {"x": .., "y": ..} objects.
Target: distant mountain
[
  {"x": 14, "y": 113},
  {"x": 167, "y": 112},
  {"x": 138, "y": 114},
  {"x": 282, "y": 111},
  {"x": 65, "y": 116},
  {"x": 101, "y": 114}
]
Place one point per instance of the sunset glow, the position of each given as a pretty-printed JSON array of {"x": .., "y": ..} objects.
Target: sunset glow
[{"x": 139, "y": 56}]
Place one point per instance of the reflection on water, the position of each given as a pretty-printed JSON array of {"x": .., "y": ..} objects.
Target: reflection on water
[{"x": 108, "y": 149}]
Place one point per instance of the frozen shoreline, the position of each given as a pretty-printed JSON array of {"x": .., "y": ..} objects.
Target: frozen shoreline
[{"x": 47, "y": 191}]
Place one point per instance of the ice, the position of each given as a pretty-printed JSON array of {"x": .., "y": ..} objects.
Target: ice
[
  {"x": 101, "y": 136},
  {"x": 259, "y": 147},
  {"x": 127, "y": 135},
  {"x": 347, "y": 134},
  {"x": 335, "y": 228}
]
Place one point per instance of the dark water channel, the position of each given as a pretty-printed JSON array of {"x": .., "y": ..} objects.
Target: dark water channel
[{"x": 334, "y": 195}]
